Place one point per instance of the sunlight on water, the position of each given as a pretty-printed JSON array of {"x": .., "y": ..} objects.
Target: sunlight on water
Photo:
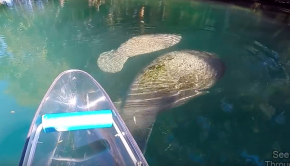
[{"x": 39, "y": 39}]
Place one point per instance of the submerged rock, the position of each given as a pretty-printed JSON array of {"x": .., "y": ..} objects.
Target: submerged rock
[
  {"x": 113, "y": 61},
  {"x": 169, "y": 81}
]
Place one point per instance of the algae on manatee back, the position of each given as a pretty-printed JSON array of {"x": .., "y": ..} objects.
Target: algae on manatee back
[{"x": 180, "y": 70}]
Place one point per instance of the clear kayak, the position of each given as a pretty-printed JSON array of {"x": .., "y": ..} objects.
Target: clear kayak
[{"x": 77, "y": 124}]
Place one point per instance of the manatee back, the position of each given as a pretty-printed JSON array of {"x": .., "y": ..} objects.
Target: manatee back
[{"x": 145, "y": 44}]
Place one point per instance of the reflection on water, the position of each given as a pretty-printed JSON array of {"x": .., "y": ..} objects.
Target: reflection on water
[
  {"x": 13, "y": 126},
  {"x": 39, "y": 39}
]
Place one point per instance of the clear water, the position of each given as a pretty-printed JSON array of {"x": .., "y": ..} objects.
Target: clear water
[{"x": 240, "y": 122}]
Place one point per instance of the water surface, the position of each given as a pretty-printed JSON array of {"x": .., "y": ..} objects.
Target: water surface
[{"x": 240, "y": 122}]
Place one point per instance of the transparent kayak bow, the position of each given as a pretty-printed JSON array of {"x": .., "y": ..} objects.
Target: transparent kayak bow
[{"x": 77, "y": 124}]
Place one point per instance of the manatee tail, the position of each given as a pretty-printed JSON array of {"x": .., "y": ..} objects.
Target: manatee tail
[
  {"x": 140, "y": 123},
  {"x": 111, "y": 61},
  {"x": 139, "y": 126}
]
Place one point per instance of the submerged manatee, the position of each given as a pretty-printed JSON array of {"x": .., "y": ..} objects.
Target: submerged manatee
[
  {"x": 169, "y": 81},
  {"x": 113, "y": 61}
]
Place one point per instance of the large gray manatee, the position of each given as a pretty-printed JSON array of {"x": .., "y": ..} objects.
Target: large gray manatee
[
  {"x": 169, "y": 81},
  {"x": 114, "y": 60}
]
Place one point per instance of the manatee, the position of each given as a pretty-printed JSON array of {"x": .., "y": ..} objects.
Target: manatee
[
  {"x": 169, "y": 81},
  {"x": 113, "y": 61}
]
